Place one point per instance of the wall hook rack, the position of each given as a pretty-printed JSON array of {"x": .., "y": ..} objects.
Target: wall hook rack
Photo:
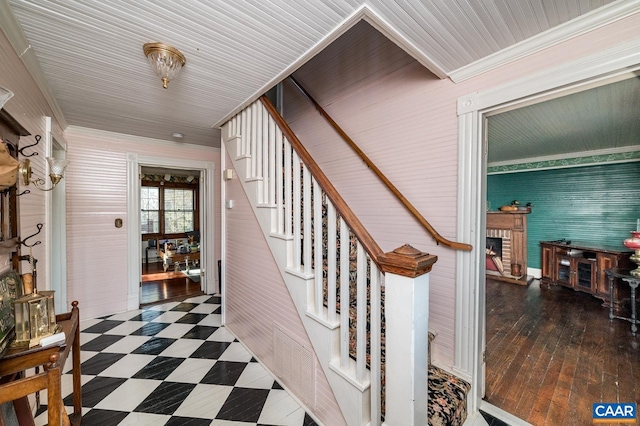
[
  {"x": 20, "y": 151},
  {"x": 24, "y": 242}
]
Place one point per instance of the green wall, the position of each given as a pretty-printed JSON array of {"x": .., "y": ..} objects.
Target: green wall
[{"x": 596, "y": 204}]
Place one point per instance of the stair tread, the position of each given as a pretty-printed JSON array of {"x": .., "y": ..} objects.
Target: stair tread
[{"x": 447, "y": 398}]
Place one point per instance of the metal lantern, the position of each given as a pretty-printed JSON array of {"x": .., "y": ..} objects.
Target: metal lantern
[{"x": 35, "y": 317}]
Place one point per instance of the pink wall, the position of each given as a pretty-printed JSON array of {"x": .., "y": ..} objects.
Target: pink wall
[
  {"x": 97, "y": 257},
  {"x": 405, "y": 120},
  {"x": 29, "y": 107},
  {"x": 256, "y": 296}
]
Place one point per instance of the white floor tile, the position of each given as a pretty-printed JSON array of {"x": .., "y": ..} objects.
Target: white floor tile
[
  {"x": 87, "y": 337},
  {"x": 198, "y": 299},
  {"x": 175, "y": 331},
  {"x": 144, "y": 419},
  {"x": 204, "y": 401},
  {"x": 236, "y": 352},
  {"x": 127, "y": 344},
  {"x": 127, "y": 366},
  {"x": 204, "y": 308},
  {"x": 213, "y": 320},
  {"x": 164, "y": 307},
  {"x": 222, "y": 335},
  {"x": 255, "y": 376},
  {"x": 169, "y": 317},
  {"x": 125, "y": 316},
  {"x": 182, "y": 348},
  {"x": 128, "y": 395},
  {"x": 281, "y": 409},
  {"x": 126, "y": 328},
  {"x": 191, "y": 370}
]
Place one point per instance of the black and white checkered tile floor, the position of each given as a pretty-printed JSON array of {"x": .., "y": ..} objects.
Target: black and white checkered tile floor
[{"x": 173, "y": 364}]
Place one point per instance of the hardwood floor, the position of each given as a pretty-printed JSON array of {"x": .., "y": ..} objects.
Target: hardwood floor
[
  {"x": 552, "y": 353},
  {"x": 159, "y": 286}
]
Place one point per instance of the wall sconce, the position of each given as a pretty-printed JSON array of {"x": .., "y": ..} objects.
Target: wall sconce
[
  {"x": 167, "y": 61},
  {"x": 56, "y": 173}
]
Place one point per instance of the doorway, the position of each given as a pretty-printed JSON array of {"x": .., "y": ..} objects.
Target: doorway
[
  {"x": 613, "y": 64},
  {"x": 170, "y": 234}
]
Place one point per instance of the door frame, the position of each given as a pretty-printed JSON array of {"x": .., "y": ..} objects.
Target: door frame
[
  {"x": 600, "y": 68},
  {"x": 207, "y": 220}
]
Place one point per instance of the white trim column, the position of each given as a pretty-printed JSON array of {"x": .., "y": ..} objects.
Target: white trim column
[{"x": 407, "y": 335}]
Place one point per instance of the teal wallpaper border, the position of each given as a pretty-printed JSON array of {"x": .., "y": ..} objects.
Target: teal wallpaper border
[{"x": 566, "y": 162}]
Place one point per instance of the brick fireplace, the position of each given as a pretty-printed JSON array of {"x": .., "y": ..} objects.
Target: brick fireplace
[{"x": 507, "y": 237}]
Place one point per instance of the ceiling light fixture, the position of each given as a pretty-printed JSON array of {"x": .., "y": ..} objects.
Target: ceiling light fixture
[{"x": 167, "y": 61}]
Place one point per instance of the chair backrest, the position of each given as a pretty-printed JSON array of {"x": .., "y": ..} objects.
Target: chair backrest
[{"x": 152, "y": 243}]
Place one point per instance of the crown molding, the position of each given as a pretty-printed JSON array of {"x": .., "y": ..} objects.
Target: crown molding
[
  {"x": 12, "y": 30},
  {"x": 588, "y": 22}
]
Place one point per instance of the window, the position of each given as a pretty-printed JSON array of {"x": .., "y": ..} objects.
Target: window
[
  {"x": 167, "y": 210},
  {"x": 178, "y": 210}
]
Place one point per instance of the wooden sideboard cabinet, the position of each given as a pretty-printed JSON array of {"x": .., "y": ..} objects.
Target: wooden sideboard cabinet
[{"x": 582, "y": 266}]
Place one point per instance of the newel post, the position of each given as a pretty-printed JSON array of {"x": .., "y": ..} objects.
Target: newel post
[{"x": 407, "y": 321}]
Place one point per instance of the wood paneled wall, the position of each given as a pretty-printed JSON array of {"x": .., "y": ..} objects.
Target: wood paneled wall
[
  {"x": 97, "y": 256},
  {"x": 405, "y": 120},
  {"x": 597, "y": 204},
  {"x": 257, "y": 298}
]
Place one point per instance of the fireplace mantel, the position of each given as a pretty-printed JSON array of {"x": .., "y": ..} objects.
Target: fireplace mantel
[{"x": 511, "y": 227}]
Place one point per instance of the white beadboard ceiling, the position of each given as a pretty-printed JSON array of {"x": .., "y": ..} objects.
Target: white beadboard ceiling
[{"x": 89, "y": 60}]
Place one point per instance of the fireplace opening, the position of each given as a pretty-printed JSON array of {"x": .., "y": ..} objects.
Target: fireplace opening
[{"x": 494, "y": 255}]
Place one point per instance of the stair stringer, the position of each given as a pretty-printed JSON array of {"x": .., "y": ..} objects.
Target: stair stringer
[{"x": 352, "y": 396}]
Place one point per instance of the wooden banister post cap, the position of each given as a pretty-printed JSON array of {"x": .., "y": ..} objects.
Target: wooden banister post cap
[{"x": 407, "y": 261}]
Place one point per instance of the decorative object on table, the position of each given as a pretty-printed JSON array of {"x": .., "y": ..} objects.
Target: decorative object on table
[
  {"x": 35, "y": 315},
  {"x": 634, "y": 243},
  {"x": 10, "y": 289}
]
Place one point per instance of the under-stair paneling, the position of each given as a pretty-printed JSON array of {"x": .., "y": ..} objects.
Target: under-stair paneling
[
  {"x": 257, "y": 301},
  {"x": 405, "y": 120},
  {"x": 96, "y": 183},
  {"x": 29, "y": 108}
]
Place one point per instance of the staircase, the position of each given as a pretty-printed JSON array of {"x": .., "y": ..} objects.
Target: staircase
[{"x": 337, "y": 277}]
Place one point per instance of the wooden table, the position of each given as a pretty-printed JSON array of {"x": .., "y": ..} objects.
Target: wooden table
[
  {"x": 176, "y": 258},
  {"x": 624, "y": 275},
  {"x": 16, "y": 387}
]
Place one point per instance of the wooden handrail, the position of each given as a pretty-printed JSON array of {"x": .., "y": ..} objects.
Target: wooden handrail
[
  {"x": 436, "y": 236},
  {"x": 341, "y": 206}
]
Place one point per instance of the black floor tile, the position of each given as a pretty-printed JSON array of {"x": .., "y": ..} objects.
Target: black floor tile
[
  {"x": 492, "y": 420},
  {"x": 276, "y": 385},
  {"x": 166, "y": 398},
  {"x": 100, "y": 343},
  {"x": 95, "y": 390},
  {"x": 159, "y": 369},
  {"x": 191, "y": 318},
  {"x": 308, "y": 421},
  {"x": 243, "y": 405},
  {"x": 102, "y": 326},
  {"x": 224, "y": 373},
  {"x": 104, "y": 417},
  {"x": 185, "y": 307},
  {"x": 218, "y": 310},
  {"x": 187, "y": 421},
  {"x": 98, "y": 363},
  {"x": 154, "y": 346},
  {"x": 150, "y": 329},
  {"x": 147, "y": 315},
  {"x": 215, "y": 300},
  {"x": 210, "y": 350},
  {"x": 200, "y": 332}
]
